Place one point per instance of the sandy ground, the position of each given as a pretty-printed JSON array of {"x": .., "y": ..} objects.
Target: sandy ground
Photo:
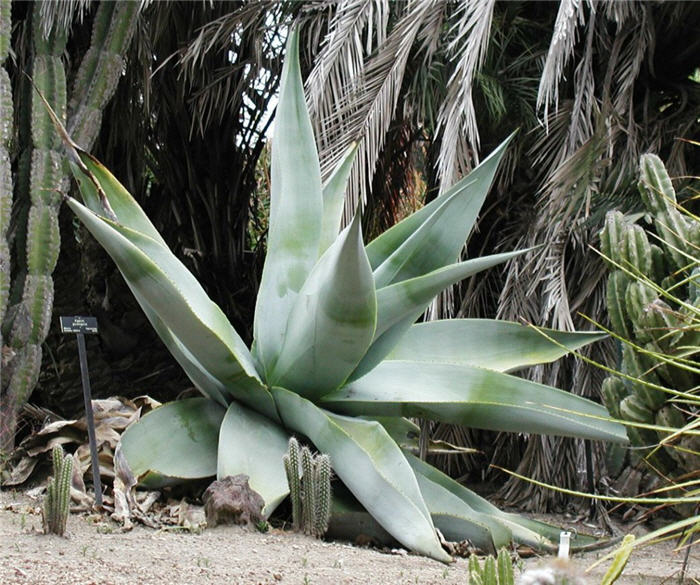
[{"x": 95, "y": 552}]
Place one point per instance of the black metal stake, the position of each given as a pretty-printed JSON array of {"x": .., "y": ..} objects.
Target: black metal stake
[
  {"x": 80, "y": 326},
  {"x": 87, "y": 395}
]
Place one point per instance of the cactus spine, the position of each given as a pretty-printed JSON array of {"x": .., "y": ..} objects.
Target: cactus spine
[
  {"x": 663, "y": 324},
  {"x": 56, "y": 506},
  {"x": 309, "y": 479}
]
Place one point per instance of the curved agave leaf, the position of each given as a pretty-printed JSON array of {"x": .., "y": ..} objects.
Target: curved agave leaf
[
  {"x": 334, "y": 199},
  {"x": 200, "y": 377},
  {"x": 104, "y": 195},
  {"x": 175, "y": 442},
  {"x": 252, "y": 444},
  {"x": 473, "y": 396},
  {"x": 496, "y": 345},
  {"x": 332, "y": 322},
  {"x": 163, "y": 281},
  {"x": 458, "y": 521},
  {"x": 371, "y": 465},
  {"x": 533, "y": 533},
  {"x": 447, "y": 235},
  {"x": 410, "y": 298},
  {"x": 296, "y": 209},
  {"x": 409, "y": 259}
]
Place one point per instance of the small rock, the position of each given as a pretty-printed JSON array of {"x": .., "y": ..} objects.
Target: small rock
[{"x": 232, "y": 501}]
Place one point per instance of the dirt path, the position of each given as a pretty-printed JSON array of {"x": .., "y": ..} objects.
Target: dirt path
[{"x": 96, "y": 553}]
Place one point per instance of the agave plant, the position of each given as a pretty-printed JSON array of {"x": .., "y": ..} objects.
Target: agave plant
[{"x": 337, "y": 357}]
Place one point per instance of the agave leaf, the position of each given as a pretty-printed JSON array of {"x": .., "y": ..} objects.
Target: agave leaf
[
  {"x": 333, "y": 320},
  {"x": 372, "y": 467},
  {"x": 334, "y": 199},
  {"x": 497, "y": 345},
  {"x": 252, "y": 444},
  {"x": 409, "y": 259},
  {"x": 447, "y": 236},
  {"x": 175, "y": 442},
  {"x": 536, "y": 534},
  {"x": 458, "y": 521},
  {"x": 104, "y": 195},
  {"x": 411, "y": 297},
  {"x": 475, "y": 397},
  {"x": 200, "y": 377},
  {"x": 296, "y": 209},
  {"x": 163, "y": 281}
]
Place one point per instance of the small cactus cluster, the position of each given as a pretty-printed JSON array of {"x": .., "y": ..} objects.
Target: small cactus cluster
[
  {"x": 56, "y": 505},
  {"x": 654, "y": 305},
  {"x": 309, "y": 478},
  {"x": 494, "y": 571}
]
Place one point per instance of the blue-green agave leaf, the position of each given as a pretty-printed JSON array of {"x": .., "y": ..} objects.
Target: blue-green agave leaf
[
  {"x": 175, "y": 442},
  {"x": 296, "y": 210},
  {"x": 408, "y": 260},
  {"x": 200, "y": 377},
  {"x": 536, "y": 534},
  {"x": 183, "y": 306},
  {"x": 334, "y": 198},
  {"x": 332, "y": 322},
  {"x": 104, "y": 195},
  {"x": 475, "y": 397},
  {"x": 496, "y": 345},
  {"x": 372, "y": 467},
  {"x": 449, "y": 234},
  {"x": 410, "y": 298},
  {"x": 458, "y": 521},
  {"x": 253, "y": 445}
]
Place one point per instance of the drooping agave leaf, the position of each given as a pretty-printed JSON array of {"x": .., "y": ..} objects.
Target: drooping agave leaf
[
  {"x": 450, "y": 233},
  {"x": 497, "y": 345},
  {"x": 475, "y": 397},
  {"x": 458, "y": 521},
  {"x": 175, "y": 442},
  {"x": 97, "y": 186},
  {"x": 410, "y": 298},
  {"x": 252, "y": 444},
  {"x": 334, "y": 199},
  {"x": 296, "y": 209},
  {"x": 163, "y": 281},
  {"x": 332, "y": 322},
  {"x": 536, "y": 534},
  {"x": 371, "y": 465}
]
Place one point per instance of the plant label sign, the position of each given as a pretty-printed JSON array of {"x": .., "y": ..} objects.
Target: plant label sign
[{"x": 78, "y": 324}]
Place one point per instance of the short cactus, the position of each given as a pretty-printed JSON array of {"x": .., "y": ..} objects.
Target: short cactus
[
  {"x": 664, "y": 324},
  {"x": 494, "y": 571},
  {"x": 309, "y": 479},
  {"x": 56, "y": 506}
]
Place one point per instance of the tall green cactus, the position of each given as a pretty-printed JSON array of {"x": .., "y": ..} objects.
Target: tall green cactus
[
  {"x": 42, "y": 182},
  {"x": 56, "y": 506},
  {"x": 652, "y": 303},
  {"x": 309, "y": 479},
  {"x": 6, "y": 115}
]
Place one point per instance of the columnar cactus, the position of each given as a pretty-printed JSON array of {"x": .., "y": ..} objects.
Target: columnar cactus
[
  {"x": 309, "y": 480},
  {"x": 56, "y": 505},
  {"x": 42, "y": 182},
  {"x": 6, "y": 114},
  {"x": 653, "y": 304}
]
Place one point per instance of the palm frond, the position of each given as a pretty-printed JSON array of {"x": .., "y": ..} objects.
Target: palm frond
[{"x": 457, "y": 118}]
